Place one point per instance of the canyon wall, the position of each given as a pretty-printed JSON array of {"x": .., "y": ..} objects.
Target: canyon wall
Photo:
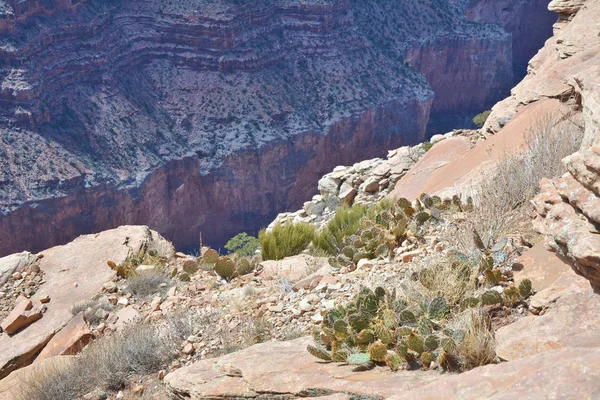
[
  {"x": 108, "y": 106},
  {"x": 247, "y": 188},
  {"x": 528, "y": 34}
]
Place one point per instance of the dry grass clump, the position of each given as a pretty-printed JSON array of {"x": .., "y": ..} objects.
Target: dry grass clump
[
  {"x": 285, "y": 240},
  {"x": 438, "y": 276},
  {"x": 476, "y": 346},
  {"x": 148, "y": 283},
  {"x": 252, "y": 330},
  {"x": 92, "y": 310},
  {"x": 503, "y": 197},
  {"x": 109, "y": 363}
]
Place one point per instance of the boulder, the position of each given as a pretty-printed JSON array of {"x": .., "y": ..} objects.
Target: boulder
[
  {"x": 329, "y": 186},
  {"x": 22, "y": 315},
  {"x": 68, "y": 341},
  {"x": 286, "y": 368},
  {"x": 571, "y": 319},
  {"x": 569, "y": 373},
  {"x": 14, "y": 262},
  {"x": 568, "y": 213},
  {"x": 73, "y": 273},
  {"x": 127, "y": 316},
  {"x": 292, "y": 268}
]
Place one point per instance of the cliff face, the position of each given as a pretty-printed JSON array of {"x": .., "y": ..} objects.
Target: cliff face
[
  {"x": 103, "y": 100},
  {"x": 247, "y": 188},
  {"x": 528, "y": 34}
]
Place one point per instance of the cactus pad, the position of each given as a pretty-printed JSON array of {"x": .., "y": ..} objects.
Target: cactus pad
[{"x": 358, "y": 358}]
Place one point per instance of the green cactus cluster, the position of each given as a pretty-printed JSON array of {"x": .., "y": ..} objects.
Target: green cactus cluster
[
  {"x": 227, "y": 267},
  {"x": 387, "y": 229},
  {"x": 510, "y": 296},
  {"x": 376, "y": 327}
]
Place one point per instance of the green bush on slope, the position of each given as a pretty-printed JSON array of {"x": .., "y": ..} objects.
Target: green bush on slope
[{"x": 285, "y": 240}]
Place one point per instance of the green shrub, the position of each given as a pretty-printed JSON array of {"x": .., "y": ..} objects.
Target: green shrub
[
  {"x": 426, "y": 146},
  {"x": 345, "y": 223},
  {"x": 285, "y": 240},
  {"x": 480, "y": 119},
  {"x": 242, "y": 244}
]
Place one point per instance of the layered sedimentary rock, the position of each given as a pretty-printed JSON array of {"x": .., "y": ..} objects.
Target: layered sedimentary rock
[
  {"x": 213, "y": 116},
  {"x": 528, "y": 34}
]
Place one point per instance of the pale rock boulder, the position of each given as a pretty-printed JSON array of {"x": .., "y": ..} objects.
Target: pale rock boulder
[{"x": 14, "y": 262}]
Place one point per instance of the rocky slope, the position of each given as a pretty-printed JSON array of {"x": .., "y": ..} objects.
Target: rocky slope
[{"x": 175, "y": 114}]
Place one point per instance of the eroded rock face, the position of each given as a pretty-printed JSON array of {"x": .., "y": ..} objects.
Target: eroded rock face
[
  {"x": 569, "y": 213},
  {"x": 73, "y": 273},
  {"x": 168, "y": 110}
]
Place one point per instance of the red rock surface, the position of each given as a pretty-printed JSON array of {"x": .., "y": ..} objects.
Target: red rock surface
[
  {"x": 70, "y": 340},
  {"x": 23, "y": 315},
  {"x": 570, "y": 374},
  {"x": 454, "y": 167},
  {"x": 570, "y": 320},
  {"x": 540, "y": 266}
]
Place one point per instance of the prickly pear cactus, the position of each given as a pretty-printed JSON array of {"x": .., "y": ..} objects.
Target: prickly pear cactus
[
  {"x": 244, "y": 267},
  {"x": 225, "y": 268},
  {"x": 210, "y": 257},
  {"x": 415, "y": 343},
  {"x": 427, "y": 358},
  {"x": 393, "y": 361},
  {"x": 525, "y": 288},
  {"x": 491, "y": 297},
  {"x": 437, "y": 308},
  {"x": 190, "y": 266},
  {"x": 378, "y": 351},
  {"x": 358, "y": 358},
  {"x": 319, "y": 352}
]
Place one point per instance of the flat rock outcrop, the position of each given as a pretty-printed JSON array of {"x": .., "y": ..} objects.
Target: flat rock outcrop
[
  {"x": 569, "y": 373},
  {"x": 284, "y": 368},
  {"x": 568, "y": 318},
  {"x": 456, "y": 168},
  {"x": 73, "y": 273}
]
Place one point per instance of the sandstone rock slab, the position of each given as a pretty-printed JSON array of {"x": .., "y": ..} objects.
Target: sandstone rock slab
[
  {"x": 292, "y": 268},
  {"x": 68, "y": 341},
  {"x": 569, "y": 373},
  {"x": 22, "y": 315},
  {"x": 440, "y": 155},
  {"x": 541, "y": 266},
  {"x": 571, "y": 319},
  {"x": 286, "y": 368},
  {"x": 13, "y": 262}
]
